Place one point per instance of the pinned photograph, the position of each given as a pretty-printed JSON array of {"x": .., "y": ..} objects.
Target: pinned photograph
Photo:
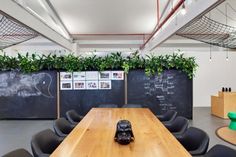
[
  {"x": 117, "y": 75},
  {"x": 105, "y": 75},
  {"x": 79, "y": 85},
  {"x": 91, "y": 85},
  {"x": 104, "y": 84},
  {"x": 91, "y": 75},
  {"x": 65, "y": 76},
  {"x": 79, "y": 76},
  {"x": 66, "y": 85}
]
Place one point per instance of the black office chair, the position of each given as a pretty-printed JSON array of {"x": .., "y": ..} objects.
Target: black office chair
[
  {"x": 62, "y": 127},
  {"x": 221, "y": 151},
  {"x": 73, "y": 117},
  {"x": 178, "y": 126},
  {"x": 18, "y": 153},
  {"x": 195, "y": 141},
  {"x": 169, "y": 116},
  {"x": 44, "y": 143},
  {"x": 132, "y": 106},
  {"x": 108, "y": 106}
]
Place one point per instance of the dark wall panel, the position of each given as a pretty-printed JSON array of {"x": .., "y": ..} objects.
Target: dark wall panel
[
  {"x": 171, "y": 90},
  {"x": 83, "y": 100},
  {"x": 28, "y": 96}
]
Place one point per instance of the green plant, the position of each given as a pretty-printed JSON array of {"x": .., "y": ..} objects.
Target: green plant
[
  {"x": 157, "y": 64},
  {"x": 134, "y": 61},
  {"x": 7, "y": 62},
  {"x": 29, "y": 63},
  {"x": 115, "y": 61}
]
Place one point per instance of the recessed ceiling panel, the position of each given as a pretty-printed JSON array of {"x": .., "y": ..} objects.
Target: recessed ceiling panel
[{"x": 107, "y": 16}]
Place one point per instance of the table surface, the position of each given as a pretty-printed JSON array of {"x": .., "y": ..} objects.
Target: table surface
[{"x": 94, "y": 136}]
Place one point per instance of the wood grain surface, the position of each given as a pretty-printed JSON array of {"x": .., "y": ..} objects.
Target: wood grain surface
[
  {"x": 227, "y": 135},
  {"x": 222, "y": 104},
  {"x": 94, "y": 136}
]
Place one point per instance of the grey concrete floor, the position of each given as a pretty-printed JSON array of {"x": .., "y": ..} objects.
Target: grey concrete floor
[{"x": 17, "y": 133}]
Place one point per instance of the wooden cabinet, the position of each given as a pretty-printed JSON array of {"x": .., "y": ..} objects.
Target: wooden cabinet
[{"x": 223, "y": 103}]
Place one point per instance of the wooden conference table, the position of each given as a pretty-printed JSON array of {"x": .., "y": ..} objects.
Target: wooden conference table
[{"x": 94, "y": 136}]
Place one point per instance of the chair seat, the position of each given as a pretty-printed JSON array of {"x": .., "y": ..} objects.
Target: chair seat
[
  {"x": 167, "y": 117},
  {"x": 62, "y": 127},
  {"x": 73, "y": 117},
  {"x": 177, "y": 126},
  {"x": 44, "y": 143},
  {"x": 195, "y": 141},
  {"x": 18, "y": 153},
  {"x": 220, "y": 151}
]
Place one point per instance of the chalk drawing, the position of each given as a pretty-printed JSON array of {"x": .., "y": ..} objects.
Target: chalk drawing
[
  {"x": 160, "y": 87},
  {"x": 25, "y": 85}
]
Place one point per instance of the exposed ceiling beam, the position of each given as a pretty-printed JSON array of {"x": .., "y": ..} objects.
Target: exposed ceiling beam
[
  {"x": 194, "y": 10},
  {"x": 108, "y": 42},
  {"x": 49, "y": 4},
  {"x": 18, "y": 13}
]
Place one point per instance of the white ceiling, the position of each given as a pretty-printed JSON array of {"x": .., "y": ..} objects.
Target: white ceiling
[
  {"x": 108, "y": 16},
  {"x": 114, "y": 23}
]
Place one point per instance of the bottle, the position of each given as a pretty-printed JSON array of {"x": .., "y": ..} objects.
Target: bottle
[
  {"x": 226, "y": 89},
  {"x": 229, "y": 89},
  {"x": 223, "y": 89}
]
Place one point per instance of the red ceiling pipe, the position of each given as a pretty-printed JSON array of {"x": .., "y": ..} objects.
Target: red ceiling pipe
[
  {"x": 164, "y": 10},
  {"x": 164, "y": 21},
  {"x": 158, "y": 12}
]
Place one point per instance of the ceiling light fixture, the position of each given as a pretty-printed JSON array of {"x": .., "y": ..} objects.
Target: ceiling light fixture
[
  {"x": 227, "y": 54},
  {"x": 210, "y": 59},
  {"x": 183, "y": 9}
]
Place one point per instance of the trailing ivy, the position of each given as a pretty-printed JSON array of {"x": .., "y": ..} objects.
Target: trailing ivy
[{"x": 115, "y": 61}]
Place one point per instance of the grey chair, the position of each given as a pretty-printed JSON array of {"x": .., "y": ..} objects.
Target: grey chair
[
  {"x": 195, "y": 141},
  {"x": 108, "y": 106},
  {"x": 62, "y": 127},
  {"x": 18, "y": 153},
  {"x": 178, "y": 126},
  {"x": 44, "y": 143},
  {"x": 132, "y": 106},
  {"x": 73, "y": 117},
  {"x": 169, "y": 116},
  {"x": 221, "y": 151}
]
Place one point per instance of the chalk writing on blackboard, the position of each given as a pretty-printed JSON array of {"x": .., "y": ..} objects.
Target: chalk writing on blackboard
[
  {"x": 161, "y": 87},
  {"x": 25, "y": 85}
]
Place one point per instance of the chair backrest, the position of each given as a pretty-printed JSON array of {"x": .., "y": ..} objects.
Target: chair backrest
[
  {"x": 18, "y": 153},
  {"x": 44, "y": 142},
  {"x": 194, "y": 139},
  {"x": 221, "y": 151},
  {"x": 72, "y": 115},
  {"x": 179, "y": 124},
  {"x": 61, "y": 125},
  {"x": 108, "y": 106},
  {"x": 169, "y": 115},
  {"x": 132, "y": 106}
]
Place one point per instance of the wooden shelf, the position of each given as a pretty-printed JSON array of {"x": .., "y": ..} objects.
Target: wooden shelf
[{"x": 223, "y": 103}]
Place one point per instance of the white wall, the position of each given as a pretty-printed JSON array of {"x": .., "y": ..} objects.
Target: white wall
[
  {"x": 39, "y": 45},
  {"x": 210, "y": 76}
]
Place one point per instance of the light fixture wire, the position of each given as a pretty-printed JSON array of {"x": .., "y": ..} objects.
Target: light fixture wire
[
  {"x": 210, "y": 59},
  {"x": 226, "y": 22}
]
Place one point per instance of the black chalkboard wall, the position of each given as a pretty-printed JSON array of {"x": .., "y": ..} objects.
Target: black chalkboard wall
[
  {"x": 171, "y": 90},
  {"x": 83, "y": 100},
  {"x": 28, "y": 96}
]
